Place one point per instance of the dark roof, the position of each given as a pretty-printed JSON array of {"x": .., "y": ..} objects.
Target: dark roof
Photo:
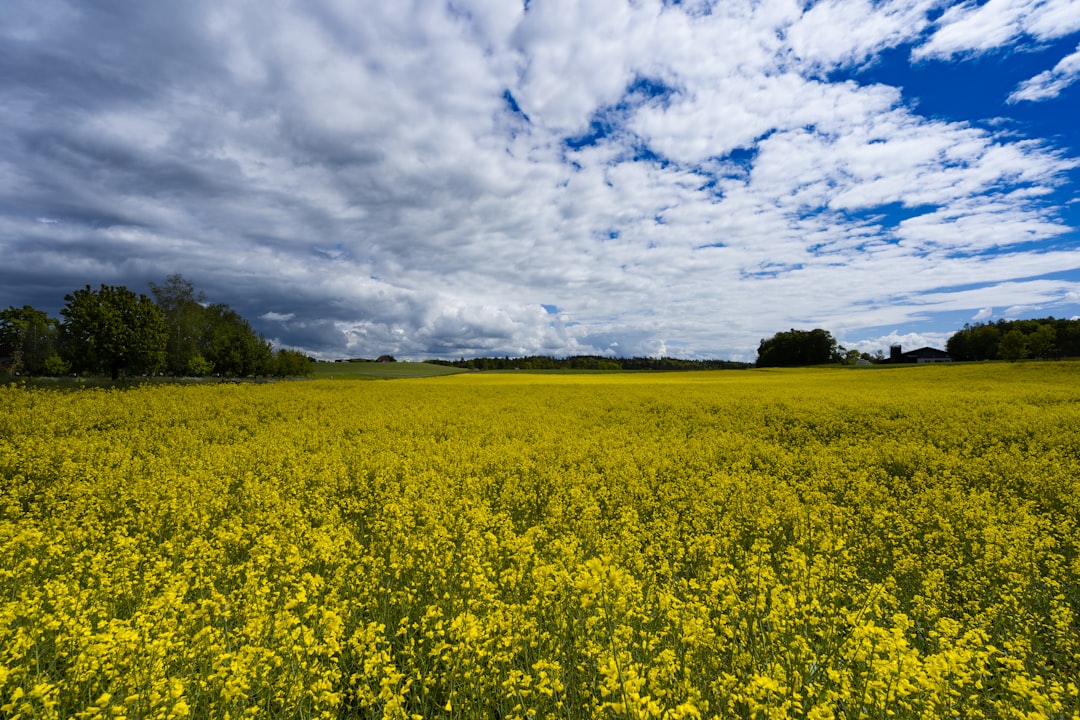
[{"x": 925, "y": 352}]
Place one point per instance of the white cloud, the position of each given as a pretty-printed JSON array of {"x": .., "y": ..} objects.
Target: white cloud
[
  {"x": 569, "y": 73},
  {"x": 834, "y": 33},
  {"x": 979, "y": 27},
  {"x": 357, "y": 176},
  {"x": 1051, "y": 83},
  {"x": 1036, "y": 294},
  {"x": 1016, "y": 311},
  {"x": 971, "y": 28},
  {"x": 984, "y": 314}
]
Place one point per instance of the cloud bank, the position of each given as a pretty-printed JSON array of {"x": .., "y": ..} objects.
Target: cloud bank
[{"x": 548, "y": 177}]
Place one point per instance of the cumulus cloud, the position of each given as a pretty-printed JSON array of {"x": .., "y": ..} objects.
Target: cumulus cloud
[{"x": 428, "y": 178}]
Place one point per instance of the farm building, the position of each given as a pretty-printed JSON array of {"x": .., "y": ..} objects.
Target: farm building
[{"x": 922, "y": 355}]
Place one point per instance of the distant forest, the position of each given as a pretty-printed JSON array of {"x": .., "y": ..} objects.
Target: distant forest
[
  {"x": 1045, "y": 339},
  {"x": 589, "y": 362}
]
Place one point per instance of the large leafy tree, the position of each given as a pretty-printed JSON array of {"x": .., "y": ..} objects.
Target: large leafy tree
[
  {"x": 798, "y": 347},
  {"x": 232, "y": 346},
  {"x": 28, "y": 341},
  {"x": 1042, "y": 342},
  {"x": 959, "y": 344},
  {"x": 983, "y": 342},
  {"x": 979, "y": 342},
  {"x": 112, "y": 330},
  {"x": 1013, "y": 345},
  {"x": 292, "y": 363},
  {"x": 1068, "y": 337},
  {"x": 183, "y": 308}
]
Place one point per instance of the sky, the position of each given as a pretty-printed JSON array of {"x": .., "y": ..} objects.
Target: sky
[{"x": 461, "y": 178}]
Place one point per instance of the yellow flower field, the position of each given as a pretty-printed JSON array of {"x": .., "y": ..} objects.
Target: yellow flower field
[{"x": 876, "y": 543}]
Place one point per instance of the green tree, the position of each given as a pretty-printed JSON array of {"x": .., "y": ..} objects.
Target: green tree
[
  {"x": 293, "y": 363},
  {"x": 983, "y": 342},
  {"x": 28, "y": 341},
  {"x": 232, "y": 346},
  {"x": 1068, "y": 337},
  {"x": 183, "y": 309},
  {"x": 959, "y": 344},
  {"x": 112, "y": 330},
  {"x": 798, "y": 347},
  {"x": 1042, "y": 342},
  {"x": 1013, "y": 345}
]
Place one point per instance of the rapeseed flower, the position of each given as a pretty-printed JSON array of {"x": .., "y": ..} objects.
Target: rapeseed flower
[{"x": 823, "y": 544}]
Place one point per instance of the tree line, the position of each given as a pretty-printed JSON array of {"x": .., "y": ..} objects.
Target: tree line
[
  {"x": 116, "y": 332},
  {"x": 1043, "y": 339},
  {"x": 588, "y": 362}
]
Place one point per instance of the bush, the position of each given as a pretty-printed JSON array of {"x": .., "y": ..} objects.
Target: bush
[
  {"x": 56, "y": 366},
  {"x": 198, "y": 366}
]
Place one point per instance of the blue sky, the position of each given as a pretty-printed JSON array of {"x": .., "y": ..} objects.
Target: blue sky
[{"x": 483, "y": 177}]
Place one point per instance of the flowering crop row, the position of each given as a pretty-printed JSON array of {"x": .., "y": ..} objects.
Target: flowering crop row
[{"x": 787, "y": 544}]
